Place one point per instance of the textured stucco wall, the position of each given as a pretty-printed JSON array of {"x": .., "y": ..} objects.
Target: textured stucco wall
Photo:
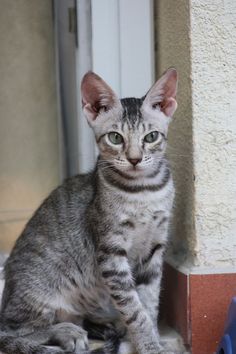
[
  {"x": 198, "y": 37},
  {"x": 28, "y": 117},
  {"x": 213, "y": 46}
]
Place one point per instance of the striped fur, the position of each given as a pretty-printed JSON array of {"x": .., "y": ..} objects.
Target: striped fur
[{"x": 89, "y": 262}]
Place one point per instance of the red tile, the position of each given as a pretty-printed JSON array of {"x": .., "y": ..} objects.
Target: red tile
[
  {"x": 196, "y": 306},
  {"x": 174, "y": 301},
  {"x": 210, "y": 296}
]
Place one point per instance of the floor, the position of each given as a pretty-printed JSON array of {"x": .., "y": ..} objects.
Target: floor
[{"x": 171, "y": 340}]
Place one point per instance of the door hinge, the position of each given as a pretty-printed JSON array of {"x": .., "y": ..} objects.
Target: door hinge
[
  {"x": 72, "y": 19},
  {"x": 72, "y": 22}
]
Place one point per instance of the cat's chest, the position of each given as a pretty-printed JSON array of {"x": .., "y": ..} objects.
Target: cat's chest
[{"x": 140, "y": 222}]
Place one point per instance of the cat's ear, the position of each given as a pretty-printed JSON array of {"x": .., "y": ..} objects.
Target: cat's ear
[
  {"x": 97, "y": 96},
  {"x": 163, "y": 93}
]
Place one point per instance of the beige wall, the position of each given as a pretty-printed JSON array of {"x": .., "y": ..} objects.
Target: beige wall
[
  {"x": 213, "y": 34},
  {"x": 198, "y": 38},
  {"x": 28, "y": 117},
  {"x": 173, "y": 49}
]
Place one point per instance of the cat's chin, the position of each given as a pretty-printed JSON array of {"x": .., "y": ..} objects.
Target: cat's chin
[{"x": 135, "y": 172}]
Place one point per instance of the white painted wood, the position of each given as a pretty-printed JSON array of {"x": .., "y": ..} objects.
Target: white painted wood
[
  {"x": 86, "y": 142},
  {"x": 106, "y": 41},
  {"x": 77, "y": 146},
  {"x": 136, "y": 46},
  {"x": 123, "y": 46},
  {"x": 67, "y": 90}
]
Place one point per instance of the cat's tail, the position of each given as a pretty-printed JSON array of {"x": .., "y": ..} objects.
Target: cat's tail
[
  {"x": 110, "y": 335},
  {"x": 10, "y": 344},
  {"x": 111, "y": 345}
]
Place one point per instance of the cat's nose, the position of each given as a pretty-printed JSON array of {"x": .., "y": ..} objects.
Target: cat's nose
[{"x": 134, "y": 162}]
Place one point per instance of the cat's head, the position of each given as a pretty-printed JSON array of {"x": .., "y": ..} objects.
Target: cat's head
[{"x": 131, "y": 133}]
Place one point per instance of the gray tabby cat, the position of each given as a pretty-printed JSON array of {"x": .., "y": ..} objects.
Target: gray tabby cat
[{"x": 90, "y": 259}]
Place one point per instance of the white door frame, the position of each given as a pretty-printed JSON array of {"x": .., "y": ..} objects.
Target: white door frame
[
  {"x": 123, "y": 44},
  {"x": 115, "y": 39}
]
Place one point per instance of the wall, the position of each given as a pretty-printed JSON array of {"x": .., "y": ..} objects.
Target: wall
[
  {"x": 198, "y": 38},
  {"x": 213, "y": 34},
  {"x": 173, "y": 49},
  {"x": 28, "y": 114}
]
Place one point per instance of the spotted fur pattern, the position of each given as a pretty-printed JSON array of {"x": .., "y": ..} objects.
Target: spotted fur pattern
[{"x": 90, "y": 259}]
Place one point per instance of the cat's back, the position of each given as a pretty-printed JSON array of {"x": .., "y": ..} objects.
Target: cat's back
[
  {"x": 61, "y": 218},
  {"x": 66, "y": 204},
  {"x": 55, "y": 249}
]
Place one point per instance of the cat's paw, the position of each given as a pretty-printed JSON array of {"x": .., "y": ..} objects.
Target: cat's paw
[
  {"x": 69, "y": 337},
  {"x": 126, "y": 348}
]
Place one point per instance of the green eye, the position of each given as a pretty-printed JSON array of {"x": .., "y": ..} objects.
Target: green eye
[
  {"x": 151, "y": 137},
  {"x": 115, "y": 138}
]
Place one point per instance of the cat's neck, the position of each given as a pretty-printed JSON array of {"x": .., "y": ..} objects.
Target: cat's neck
[{"x": 114, "y": 178}]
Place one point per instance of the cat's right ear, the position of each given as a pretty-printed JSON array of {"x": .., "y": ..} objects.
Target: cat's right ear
[
  {"x": 97, "y": 96},
  {"x": 163, "y": 93}
]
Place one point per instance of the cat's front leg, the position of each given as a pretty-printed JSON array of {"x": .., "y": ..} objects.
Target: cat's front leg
[
  {"x": 149, "y": 273},
  {"x": 148, "y": 282},
  {"x": 117, "y": 277}
]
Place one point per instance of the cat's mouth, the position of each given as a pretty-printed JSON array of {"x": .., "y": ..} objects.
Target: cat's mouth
[{"x": 135, "y": 170}]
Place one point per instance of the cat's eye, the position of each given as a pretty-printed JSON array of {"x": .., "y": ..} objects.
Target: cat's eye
[
  {"x": 115, "y": 138},
  {"x": 151, "y": 137}
]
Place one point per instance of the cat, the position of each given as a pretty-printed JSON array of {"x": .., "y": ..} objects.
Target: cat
[{"x": 89, "y": 262}]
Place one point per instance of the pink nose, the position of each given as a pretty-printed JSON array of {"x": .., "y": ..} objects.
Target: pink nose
[{"x": 134, "y": 162}]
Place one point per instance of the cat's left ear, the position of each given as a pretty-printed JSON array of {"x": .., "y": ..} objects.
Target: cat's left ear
[
  {"x": 97, "y": 96},
  {"x": 163, "y": 93}
]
